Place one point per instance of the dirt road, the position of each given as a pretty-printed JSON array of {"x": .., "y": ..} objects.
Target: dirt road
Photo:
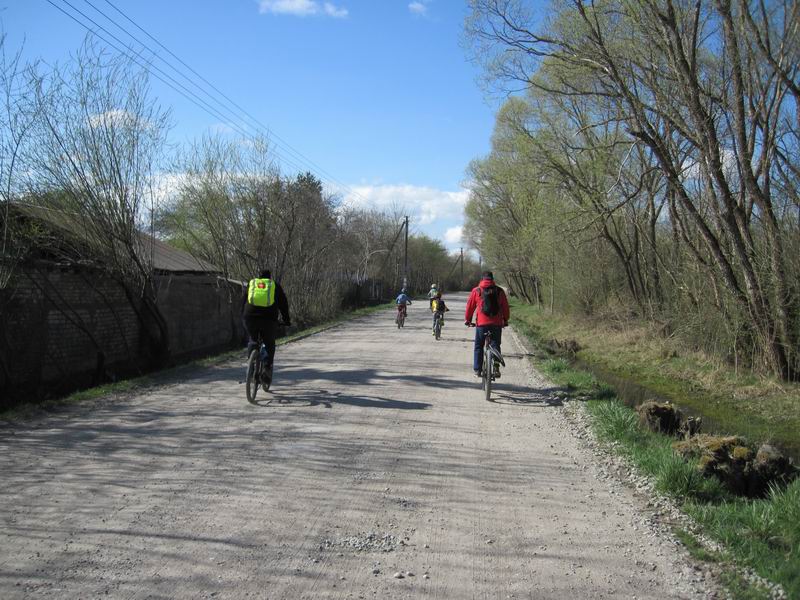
[{"x": 376, "y": 457}]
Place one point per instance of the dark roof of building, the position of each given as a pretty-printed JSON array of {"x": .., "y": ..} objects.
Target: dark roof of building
[
  {"x": 169, "y": 258},
  {"x": 163, "y": 256}
]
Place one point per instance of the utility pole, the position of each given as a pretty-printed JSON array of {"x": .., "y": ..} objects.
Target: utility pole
[
  {"x": 405, "y": 266},
  {"x": 462, "y": 267}
]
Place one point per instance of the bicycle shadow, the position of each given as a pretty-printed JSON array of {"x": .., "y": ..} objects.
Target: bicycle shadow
[
  {"x": 293, "y": 398},
  {"x": 530, "y": 397},
  {"x": 533, "y": 400}
]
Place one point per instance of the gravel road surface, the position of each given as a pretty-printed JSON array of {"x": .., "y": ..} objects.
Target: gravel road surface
[{"x": 375, "y": 470}]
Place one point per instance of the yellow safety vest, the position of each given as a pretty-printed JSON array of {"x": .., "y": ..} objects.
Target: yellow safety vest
[{"x": 261, "y": 292}]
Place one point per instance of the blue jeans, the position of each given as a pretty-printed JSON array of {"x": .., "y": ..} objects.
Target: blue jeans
[{"x": 480, "y": 332}]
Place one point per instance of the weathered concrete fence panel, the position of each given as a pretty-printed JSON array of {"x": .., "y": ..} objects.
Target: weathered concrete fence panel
[{"x": 62, "y": 329}]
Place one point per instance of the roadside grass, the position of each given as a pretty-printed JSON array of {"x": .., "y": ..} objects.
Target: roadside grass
[
  {"x": 739, "y": 588},
  {"x": 124, "y": 386},
  {"x": 760, "y": 408},
  {"x": 762, "y": 535},
  {"x": 652, "y": 453}
]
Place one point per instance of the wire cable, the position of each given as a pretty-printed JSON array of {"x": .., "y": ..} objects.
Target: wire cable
[
  {"x": 222, "y": 111},
  {"x": 243, "y": 111},
  {"x": 162, "y": 76}
]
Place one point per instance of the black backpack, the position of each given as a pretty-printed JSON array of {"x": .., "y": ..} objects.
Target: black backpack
[{"x": 490, "y": 304}]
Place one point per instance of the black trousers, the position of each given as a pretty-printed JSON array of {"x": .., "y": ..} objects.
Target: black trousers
[{"x": 267, "y": 329}]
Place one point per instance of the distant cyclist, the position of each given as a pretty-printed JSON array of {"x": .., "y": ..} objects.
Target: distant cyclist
[
  {"x": 402, "y": 302},
  {"x": 438, "y": 307},
  {"x": 432, "y": 294},
  {"x": 265, "y": 299},
  {"x": 491, "y": 305}
]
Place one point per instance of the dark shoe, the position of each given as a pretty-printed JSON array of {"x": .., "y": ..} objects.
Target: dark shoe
[{"x": 496, "y": 372}]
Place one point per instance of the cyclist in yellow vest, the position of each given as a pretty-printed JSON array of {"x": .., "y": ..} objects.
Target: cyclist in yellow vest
[
  {"x": 438, "y": 307},
  {"x": 264, "y": 300}
]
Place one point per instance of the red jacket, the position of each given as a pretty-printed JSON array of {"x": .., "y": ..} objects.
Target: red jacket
[{"x": 476, "y": 300}]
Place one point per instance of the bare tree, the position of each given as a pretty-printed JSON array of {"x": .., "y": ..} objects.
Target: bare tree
[
  {"x": 709, "y": 89},
  {"x": 17, "y": 117},
  {"x": 99, "y": 141}
]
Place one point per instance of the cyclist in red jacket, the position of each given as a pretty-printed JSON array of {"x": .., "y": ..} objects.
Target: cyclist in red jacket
[{"x": 491, "y": 305}]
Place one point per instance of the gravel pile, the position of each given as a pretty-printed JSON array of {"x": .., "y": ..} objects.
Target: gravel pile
[{"x": 366, "y": 542}]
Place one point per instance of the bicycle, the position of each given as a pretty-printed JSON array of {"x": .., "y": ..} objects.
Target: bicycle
[
  {"x": 400, "y": 319},
  {"x": 258, "y": 374},
  {"x": 491, "y": 357},
  {"x": 438, "y": 319}
]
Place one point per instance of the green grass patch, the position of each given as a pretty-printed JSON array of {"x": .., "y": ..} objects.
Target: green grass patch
[
  {"x": 763, "y": 535},
  {"x": 739, "y": 588},
  {"x": 695, "y": 548},
  {"x": 651, "y": 452},
  {"x": 24, "y": 411}
]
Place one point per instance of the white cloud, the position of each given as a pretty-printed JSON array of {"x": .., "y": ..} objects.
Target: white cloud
[
  {"x": 166, "y": 185},
  {"x": 116, "y": 118},
  {"x": 222, "y": 128},
  {"x": 301, "y": 8},
  {"x": 453, "y": 235},
  {"x": 426, "y": 204},
  {"x": 298, "y": 8},
  {"x": 335, "y": 11},
  {"x": 418, "y": 8},
  {"x": 434, "y": 212}
]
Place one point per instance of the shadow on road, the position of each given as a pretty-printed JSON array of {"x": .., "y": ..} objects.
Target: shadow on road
[
  {"x": 296, "y": 397},
  {"x": 542, "y": 397}
]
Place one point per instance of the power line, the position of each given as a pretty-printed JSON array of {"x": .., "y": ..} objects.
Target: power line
[
  {"x": 253, "y": 119},
  {"x": 186, "y": 93},
  {"x": 295, "y": 159}
]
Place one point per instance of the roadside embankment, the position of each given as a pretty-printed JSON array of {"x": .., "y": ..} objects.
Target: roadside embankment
[
  {"x": 639, "y": 364},
  {"x": 752, "y": 543}
]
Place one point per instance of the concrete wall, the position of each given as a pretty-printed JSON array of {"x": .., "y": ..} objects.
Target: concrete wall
[
  {"x": 203, "y": 314},
  {"x": 64, "y": 329}
]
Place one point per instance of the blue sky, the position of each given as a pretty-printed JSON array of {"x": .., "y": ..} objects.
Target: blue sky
[{"x": 376, "y": 92}]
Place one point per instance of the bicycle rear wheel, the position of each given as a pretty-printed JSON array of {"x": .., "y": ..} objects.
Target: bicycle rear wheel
[
  {"x": 253, "y": 376},
  {"x": 437, "y": 329}
]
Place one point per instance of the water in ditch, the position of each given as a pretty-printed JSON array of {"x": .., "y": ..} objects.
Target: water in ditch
[{"x": 633, "y": 394}]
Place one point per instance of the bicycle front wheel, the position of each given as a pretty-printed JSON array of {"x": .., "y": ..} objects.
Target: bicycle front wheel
[
  {"x": 487, "y": 374},
  {"x": 253, "y": 376}
]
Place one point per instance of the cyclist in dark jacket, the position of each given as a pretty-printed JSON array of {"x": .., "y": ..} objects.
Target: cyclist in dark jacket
[{"x": 263, "y": 320}]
